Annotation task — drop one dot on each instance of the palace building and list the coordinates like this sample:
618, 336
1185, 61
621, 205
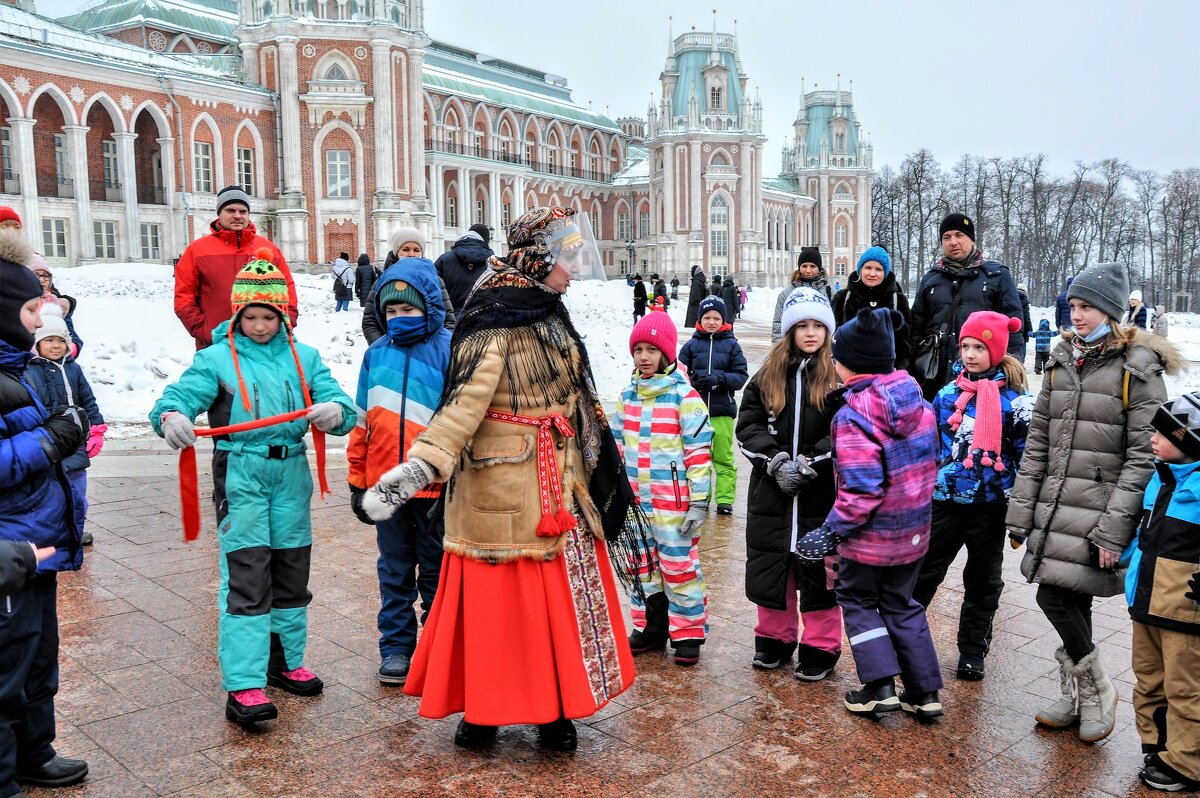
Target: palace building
344, 120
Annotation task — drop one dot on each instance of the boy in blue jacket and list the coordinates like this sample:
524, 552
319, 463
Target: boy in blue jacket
1043, 342
717, 369
59, 381
1162, 586
255, 370
35, 507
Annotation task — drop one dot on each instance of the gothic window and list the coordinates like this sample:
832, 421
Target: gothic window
202, 177
245, 169
714, 99
337, 173
841, 235
644, 224
718, 231
451, 211
719, 160
335, 72
623, 231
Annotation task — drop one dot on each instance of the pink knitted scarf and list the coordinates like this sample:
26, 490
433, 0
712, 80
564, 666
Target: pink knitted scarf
989, 418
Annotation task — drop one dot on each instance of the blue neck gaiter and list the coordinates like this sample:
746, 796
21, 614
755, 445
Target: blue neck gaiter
406, 329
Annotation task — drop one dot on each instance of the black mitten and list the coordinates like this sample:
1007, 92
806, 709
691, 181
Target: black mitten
68, 428
356, 500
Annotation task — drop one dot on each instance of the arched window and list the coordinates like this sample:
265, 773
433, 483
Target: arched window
719, 160
841, 234
714, 99
718, 235
335, 72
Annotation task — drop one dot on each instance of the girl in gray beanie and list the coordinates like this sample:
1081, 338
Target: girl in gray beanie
1078, 496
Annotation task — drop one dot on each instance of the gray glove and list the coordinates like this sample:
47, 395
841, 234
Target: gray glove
697, 514
325, 416
396, 487
792, 474
178, 430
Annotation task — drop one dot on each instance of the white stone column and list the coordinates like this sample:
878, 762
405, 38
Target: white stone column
78, 154
131, 248
823, 206
175, 236
494, 201
695, 201
436, 206
289, 103
26, 169
382, 93
669, 188
416, 139
862, 207
518, 208
250, 61
466, 200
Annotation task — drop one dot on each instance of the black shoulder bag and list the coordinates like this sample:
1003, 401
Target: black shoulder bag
927, 362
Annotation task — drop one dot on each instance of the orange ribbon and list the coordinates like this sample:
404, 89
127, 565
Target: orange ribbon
189, 491
552, 524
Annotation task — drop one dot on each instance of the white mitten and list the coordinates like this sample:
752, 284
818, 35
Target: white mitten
325, 416
396, 487
178, 430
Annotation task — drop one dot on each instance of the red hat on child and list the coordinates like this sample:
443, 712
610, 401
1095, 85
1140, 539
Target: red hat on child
658, 330
8, 214
992, 330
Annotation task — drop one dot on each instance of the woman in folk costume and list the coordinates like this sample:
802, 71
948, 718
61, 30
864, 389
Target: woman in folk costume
526, 626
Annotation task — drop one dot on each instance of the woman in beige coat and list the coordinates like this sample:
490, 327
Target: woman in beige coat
527, 624
1078, 496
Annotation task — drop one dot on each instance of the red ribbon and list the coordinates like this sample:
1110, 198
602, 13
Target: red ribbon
189, 491
552, 524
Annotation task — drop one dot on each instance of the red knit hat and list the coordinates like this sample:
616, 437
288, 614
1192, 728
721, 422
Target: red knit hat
991, 329
7, 213
658, 330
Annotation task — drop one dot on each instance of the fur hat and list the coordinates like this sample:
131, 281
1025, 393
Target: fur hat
18, 285
960, 222
712, 303
404, 234
866, 344
1104, 286
53, 325
260, 282
809, 255
806, 303
230, 195
877, 254
991, 329
658, 330
1179, 422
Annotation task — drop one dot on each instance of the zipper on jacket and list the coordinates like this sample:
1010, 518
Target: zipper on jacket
291, 400
1103, 485
403, 406
675, 484
710, 348
256, 407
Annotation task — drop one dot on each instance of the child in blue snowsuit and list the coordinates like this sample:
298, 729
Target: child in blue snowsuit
1043, 342
35, 507
254, 370
59, 381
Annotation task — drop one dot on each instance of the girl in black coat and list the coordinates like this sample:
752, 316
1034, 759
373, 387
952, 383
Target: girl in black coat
783, 428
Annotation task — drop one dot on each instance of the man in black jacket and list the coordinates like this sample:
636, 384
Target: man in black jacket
462, 266
985, 284
731, 295
364, 279
639, 298
697, 290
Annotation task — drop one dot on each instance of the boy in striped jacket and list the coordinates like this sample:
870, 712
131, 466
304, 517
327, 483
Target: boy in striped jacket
885, 446
661, 425
398, 389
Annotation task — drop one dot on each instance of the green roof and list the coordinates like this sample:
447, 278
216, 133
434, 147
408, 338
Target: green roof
787, 185
212, 19
464, 85
819, 117
691, 65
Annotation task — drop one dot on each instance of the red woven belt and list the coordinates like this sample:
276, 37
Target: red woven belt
549, 480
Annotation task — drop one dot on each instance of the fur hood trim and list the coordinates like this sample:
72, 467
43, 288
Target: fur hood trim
15, 247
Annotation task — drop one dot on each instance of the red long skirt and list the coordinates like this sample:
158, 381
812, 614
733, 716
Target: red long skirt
527, 641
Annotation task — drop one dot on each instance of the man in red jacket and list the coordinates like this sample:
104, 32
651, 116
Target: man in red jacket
204, 275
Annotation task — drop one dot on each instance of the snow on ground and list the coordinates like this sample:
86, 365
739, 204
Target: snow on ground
134, 345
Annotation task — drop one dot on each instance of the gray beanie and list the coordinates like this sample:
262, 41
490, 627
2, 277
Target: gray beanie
1104, 286
230, 195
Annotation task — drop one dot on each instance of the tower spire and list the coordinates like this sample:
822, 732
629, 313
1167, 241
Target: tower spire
670, 38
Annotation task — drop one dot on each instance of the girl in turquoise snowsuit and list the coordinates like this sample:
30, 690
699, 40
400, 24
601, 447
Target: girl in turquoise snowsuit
254, 370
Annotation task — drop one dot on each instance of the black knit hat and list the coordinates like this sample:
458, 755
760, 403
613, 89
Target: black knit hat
1104, 286
1179, 422
18, 285
960, 222
866, 343
809, 255
483, 231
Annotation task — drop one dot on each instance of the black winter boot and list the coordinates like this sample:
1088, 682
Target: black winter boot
814, 664
654, 636
770, 653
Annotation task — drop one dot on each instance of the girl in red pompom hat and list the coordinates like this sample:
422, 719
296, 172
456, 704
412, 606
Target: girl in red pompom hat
983, 417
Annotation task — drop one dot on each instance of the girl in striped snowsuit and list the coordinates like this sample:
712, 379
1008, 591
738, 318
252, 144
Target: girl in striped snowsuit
662, 427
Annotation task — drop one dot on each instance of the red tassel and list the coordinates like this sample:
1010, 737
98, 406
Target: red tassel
999, 465
566, 521
987, 461
969, 461
319, 446
189, 494
548, 527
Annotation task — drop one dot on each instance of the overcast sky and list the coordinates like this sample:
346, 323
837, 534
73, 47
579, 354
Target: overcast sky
1075, 79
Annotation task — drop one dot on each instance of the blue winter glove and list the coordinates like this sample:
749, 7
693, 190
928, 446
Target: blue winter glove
703, 382
818, 544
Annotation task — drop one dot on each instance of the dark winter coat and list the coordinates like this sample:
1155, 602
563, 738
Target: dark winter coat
1139, 318
1087, 461
774, 520
462, 266
343, 280
857, 295
990, 287
373, 330
364, 281
696, 293
1026, 319
714, 288
731, 295
17, 564
1062, 312
34, 501
660, 292
817, 284
1168, 550
59, 384
716, 368
639, 297
1043, 337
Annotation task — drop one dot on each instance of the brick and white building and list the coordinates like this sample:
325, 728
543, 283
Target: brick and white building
344, 120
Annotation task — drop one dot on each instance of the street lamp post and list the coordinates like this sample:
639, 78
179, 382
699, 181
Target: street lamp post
631, 248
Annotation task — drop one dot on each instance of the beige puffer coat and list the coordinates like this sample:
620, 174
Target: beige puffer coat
1087, 461
493, 500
